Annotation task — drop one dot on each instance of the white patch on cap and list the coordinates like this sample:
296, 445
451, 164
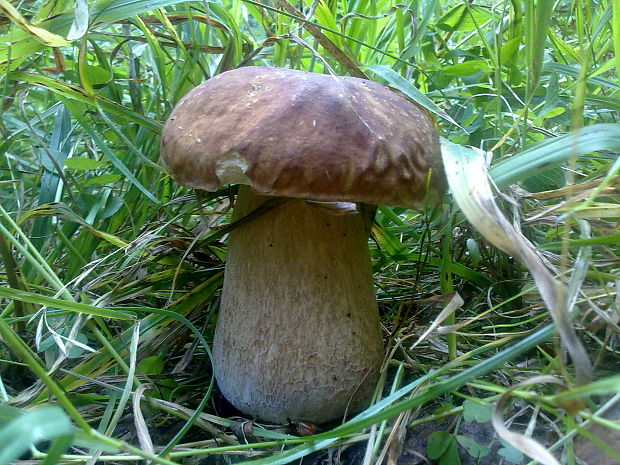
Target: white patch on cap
231, 168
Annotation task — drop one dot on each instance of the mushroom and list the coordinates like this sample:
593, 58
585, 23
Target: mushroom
298, 334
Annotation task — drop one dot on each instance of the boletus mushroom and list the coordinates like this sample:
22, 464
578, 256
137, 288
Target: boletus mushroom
298, 332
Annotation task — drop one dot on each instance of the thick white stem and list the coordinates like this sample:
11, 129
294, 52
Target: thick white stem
298, 333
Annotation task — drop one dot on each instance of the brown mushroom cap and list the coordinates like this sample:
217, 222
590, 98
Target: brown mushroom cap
296, 134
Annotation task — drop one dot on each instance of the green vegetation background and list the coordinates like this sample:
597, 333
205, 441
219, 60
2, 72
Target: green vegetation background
110, 272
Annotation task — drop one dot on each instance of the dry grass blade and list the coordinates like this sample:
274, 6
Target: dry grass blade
394, 444
474, 196
142, 429
521, 442
455, 303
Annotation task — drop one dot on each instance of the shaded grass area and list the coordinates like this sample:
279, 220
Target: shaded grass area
111, 273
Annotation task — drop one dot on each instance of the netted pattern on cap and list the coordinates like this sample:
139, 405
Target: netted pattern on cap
305, 135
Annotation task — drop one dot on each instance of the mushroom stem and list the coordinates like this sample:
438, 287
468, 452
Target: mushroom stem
298, 333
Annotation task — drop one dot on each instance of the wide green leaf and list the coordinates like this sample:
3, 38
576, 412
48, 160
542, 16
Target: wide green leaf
19, 430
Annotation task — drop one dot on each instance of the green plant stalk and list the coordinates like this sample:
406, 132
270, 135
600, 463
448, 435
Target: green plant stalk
536, 24
435, 417
141, 455
12, 278
382, 428
217, 450
32, 254
75, 458
568, 219
36, 365
537, 16
55, 450
374, 439
115, 355
68, 91
146, 161
574, 429
580, 96
3, 394
603, 386
74, 251
108, 412
130, 449
5, 78
497, 80
527, 321
483, 39
138, 454
616, 33
599, 137
188, 424
607, 423
520, 393
103, 358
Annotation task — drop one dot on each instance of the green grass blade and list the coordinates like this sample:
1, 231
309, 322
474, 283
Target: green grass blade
616, 32
117, 162
76, 93
78, 307
537, 15
53, 157
397, 81
556, 150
